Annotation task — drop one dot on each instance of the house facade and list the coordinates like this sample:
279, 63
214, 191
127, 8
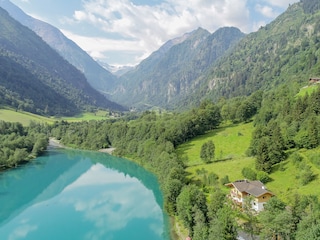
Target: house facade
242, 189
314, 80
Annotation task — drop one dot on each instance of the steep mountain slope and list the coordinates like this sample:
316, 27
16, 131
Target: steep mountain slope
286, 51
36, 78
97, 76
171, 72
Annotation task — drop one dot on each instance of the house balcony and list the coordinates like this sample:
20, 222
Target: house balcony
237, 198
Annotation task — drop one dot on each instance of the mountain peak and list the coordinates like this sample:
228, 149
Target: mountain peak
37, 79
171, 73
97, 76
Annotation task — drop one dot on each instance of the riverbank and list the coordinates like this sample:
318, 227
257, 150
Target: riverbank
107, 150
178, 232
55, 143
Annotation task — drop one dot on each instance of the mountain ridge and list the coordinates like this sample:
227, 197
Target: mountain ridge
283, 52
171, 71
29, 64
98, 77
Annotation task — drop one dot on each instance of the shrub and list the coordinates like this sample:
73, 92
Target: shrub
248, 173
263, 177
296, 158
224, 180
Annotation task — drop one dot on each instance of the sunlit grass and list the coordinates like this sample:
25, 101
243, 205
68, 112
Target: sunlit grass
23, 117
286, 181
99, 115
231, 168
231, 143
10, 115
307, 90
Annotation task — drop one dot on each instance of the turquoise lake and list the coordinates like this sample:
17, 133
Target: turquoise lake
69, 194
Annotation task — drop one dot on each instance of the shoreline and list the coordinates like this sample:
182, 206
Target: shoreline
57, 144
107, 150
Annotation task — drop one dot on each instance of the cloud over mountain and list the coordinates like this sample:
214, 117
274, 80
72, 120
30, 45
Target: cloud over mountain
127, 31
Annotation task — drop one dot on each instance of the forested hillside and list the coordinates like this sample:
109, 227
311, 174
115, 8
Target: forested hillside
171, 73
35, 78
97, 76
286, 51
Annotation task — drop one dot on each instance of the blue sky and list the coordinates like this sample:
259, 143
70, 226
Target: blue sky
124, 32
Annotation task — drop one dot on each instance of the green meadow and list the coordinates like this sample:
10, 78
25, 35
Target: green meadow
10, 115
99, 115
286, 177
24, 118
307, 90
231, 143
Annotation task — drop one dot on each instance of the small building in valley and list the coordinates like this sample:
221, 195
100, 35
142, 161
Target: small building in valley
314, 80
243, 189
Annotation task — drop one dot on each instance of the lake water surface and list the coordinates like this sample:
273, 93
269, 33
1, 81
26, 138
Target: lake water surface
69, 194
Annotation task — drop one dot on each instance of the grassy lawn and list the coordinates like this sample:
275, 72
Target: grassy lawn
231, 142
286, 180
307, 90
231, 168
99, 115
25, 118
22, 117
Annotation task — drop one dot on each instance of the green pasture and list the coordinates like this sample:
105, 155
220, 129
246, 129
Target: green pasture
307, 90
285, 178
99, 115
231, 143
231, 168
25, 118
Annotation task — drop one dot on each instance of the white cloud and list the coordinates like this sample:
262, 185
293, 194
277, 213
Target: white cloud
146, 28
115, 205
21, 231
103, 198
98, 47
266, 11
281, 3
259, 24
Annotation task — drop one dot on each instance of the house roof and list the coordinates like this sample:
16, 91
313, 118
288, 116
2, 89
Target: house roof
254, 188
